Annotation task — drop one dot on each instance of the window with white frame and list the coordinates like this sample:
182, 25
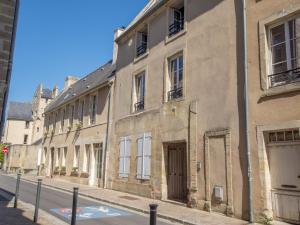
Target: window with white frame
124, 160
81, 112
87, 158
76, 156
142, 41
176, 20
63, 156
284, 44
144, 156
175, 77
93, 109
139, 92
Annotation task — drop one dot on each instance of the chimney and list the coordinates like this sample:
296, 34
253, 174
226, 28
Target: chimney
55, 91
70, 80
117, 34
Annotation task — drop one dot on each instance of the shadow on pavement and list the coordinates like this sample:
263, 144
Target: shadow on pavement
9, 215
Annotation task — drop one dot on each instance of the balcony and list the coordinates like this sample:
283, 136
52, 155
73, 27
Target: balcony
175, 93
141, 50
139, 106
283, 78
176, 27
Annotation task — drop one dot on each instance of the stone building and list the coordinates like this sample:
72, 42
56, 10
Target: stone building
274, 106
24, 131
8, 25
177, 131
76, 128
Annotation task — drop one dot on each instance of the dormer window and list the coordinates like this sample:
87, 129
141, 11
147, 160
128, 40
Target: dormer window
142, 42
176, 23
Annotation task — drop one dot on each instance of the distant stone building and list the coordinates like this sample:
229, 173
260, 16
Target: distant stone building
24, 131
8, 24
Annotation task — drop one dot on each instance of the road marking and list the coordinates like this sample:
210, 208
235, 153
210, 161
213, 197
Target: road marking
91, 212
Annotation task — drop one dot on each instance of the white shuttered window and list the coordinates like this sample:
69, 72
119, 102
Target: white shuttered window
124, 164
144, 156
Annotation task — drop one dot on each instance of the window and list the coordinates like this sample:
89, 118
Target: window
93, 110
124, 164
54, 122
87, 158
27, 123
25, 142
175, 77
144, 157
285, 53
37, 129
57, 157
62, 122
64, 156
142, 42
44, 155
284, 136
81, 112
76, 156
71, 118
98, 148
176, 23
139, 92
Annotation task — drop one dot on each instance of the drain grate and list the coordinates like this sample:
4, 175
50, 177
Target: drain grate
128, 198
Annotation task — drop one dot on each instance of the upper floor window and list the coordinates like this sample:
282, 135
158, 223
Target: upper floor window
27, 123
285, 53
93, 109
54, 122
175, 77
176, 21
71, 118
81, 111
142, 42
25, 139
62, 122
139, 92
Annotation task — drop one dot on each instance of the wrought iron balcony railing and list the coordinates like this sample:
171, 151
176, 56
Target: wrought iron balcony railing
141, 50
283, 78
175, 93
176, 27
139, 106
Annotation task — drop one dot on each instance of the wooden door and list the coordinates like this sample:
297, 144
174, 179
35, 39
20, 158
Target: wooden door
177, 173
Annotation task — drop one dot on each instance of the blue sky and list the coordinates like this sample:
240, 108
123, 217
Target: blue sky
57, 38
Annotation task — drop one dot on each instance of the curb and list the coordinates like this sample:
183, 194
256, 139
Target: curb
162, 216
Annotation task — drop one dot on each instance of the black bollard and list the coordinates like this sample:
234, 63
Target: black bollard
153, 210
74, 207
37, 201
17, 190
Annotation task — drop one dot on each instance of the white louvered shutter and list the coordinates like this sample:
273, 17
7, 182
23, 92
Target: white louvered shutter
147, 156
140, 141
127, 156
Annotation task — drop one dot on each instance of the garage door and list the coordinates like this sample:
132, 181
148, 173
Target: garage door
284, 161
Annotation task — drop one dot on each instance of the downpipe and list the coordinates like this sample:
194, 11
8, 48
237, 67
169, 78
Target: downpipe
246, 100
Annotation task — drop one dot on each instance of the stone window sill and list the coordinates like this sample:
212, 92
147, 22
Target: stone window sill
141, 57
284, 89
176, 36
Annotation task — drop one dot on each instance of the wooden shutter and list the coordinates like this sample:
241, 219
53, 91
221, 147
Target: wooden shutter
144, 156
121, 159
124, 160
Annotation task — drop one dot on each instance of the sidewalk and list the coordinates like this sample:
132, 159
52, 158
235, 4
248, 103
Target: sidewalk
23, 215
176, 213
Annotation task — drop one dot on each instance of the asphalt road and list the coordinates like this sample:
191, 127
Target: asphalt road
54, 202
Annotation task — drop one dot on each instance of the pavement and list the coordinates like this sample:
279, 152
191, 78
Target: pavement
176, 213
57, 203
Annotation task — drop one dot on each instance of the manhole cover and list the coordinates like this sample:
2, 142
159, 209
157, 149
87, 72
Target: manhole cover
129, 198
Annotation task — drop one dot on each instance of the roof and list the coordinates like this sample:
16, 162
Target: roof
146, 11
84, 85
46, 93
19, 111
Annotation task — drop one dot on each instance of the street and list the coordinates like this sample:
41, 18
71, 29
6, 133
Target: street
89, 212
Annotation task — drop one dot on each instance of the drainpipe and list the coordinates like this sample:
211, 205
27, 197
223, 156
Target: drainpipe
246, 99
106, 138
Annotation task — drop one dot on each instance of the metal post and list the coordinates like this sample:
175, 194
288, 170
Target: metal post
74, 207
17, 190
153, 210
37, 201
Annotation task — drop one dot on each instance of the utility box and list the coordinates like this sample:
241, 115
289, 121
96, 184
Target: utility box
219, 193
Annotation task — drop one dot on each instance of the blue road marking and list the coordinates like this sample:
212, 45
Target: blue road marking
91, 212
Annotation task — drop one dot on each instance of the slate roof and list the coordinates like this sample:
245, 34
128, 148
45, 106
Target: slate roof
146, 11
46, 93
19, 111
87, 83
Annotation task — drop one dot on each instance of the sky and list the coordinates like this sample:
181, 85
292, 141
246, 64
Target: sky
59, 38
